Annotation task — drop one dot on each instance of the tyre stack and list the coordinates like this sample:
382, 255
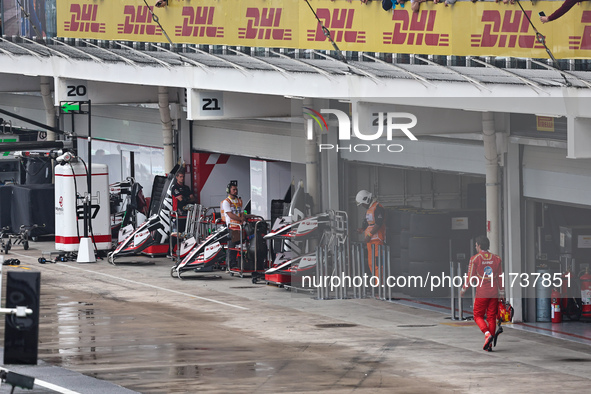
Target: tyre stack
397, 235
5, 206
278, 210
428, 250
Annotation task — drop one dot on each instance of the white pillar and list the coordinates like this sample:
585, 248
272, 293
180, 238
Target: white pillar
513, 257
492, 180
166, 128
46, 83
312, 163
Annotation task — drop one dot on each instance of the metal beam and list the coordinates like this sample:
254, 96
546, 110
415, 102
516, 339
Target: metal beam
31, 121
184, 58
141, 53
62, 55
96, 59
526, 81
350, 66
396, 67
23, 48
30, 145
276, 68
565, 73
317, 69
126, 60
236, 66
473, 81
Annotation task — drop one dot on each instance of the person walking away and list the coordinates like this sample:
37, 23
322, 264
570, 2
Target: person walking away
488, 268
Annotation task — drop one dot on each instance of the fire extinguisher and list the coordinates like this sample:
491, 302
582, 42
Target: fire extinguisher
556, 312
585, 280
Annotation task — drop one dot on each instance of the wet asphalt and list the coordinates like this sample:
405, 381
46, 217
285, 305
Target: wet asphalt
133, 328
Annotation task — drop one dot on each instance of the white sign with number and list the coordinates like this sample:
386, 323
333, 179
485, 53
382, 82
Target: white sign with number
71, 90
206, 103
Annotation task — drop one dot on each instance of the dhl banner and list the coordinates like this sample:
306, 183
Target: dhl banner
483, 28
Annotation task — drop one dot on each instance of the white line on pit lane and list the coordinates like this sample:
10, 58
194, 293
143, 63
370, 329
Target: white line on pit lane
143, 284
47, 385
54, 387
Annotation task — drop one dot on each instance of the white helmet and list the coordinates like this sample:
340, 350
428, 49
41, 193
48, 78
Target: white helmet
363, 197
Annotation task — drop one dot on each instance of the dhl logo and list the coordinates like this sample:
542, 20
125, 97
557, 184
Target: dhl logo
415, 30
584, 41
138, 20
340, 23
263, 25
84, 19
198, 22
510, 28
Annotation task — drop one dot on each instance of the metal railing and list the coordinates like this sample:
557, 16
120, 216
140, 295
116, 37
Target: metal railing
380, 260
333, 258
194, 212
243, 248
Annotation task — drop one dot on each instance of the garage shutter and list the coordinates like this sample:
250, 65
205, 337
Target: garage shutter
549, 175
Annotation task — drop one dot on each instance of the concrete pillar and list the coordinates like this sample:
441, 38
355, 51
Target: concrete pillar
492, 180
166, 128
45, 85
311, 185
513, 256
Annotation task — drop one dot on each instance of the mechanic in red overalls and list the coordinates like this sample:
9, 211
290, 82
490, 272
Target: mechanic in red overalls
487, 267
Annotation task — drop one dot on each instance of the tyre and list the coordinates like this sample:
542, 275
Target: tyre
393, 221
394, 243
404, 239
405, 219
404, 256
26, 245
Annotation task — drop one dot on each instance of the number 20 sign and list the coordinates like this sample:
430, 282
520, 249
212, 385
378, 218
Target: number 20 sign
72, 90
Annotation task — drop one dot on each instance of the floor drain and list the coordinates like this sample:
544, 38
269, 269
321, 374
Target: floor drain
575, 360
336, 325
245, 287
417, 325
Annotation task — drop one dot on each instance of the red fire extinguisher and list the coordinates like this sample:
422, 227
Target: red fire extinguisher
585, 280
556, 312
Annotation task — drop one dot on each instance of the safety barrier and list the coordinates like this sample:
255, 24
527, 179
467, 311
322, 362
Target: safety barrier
192, 229
332, 261
333, 258
380, 260
208, 222
458, 296
242, 249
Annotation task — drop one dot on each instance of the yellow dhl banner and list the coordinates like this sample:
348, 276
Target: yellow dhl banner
464, 29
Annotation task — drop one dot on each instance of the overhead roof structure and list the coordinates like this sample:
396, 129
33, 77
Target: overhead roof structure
286, 74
